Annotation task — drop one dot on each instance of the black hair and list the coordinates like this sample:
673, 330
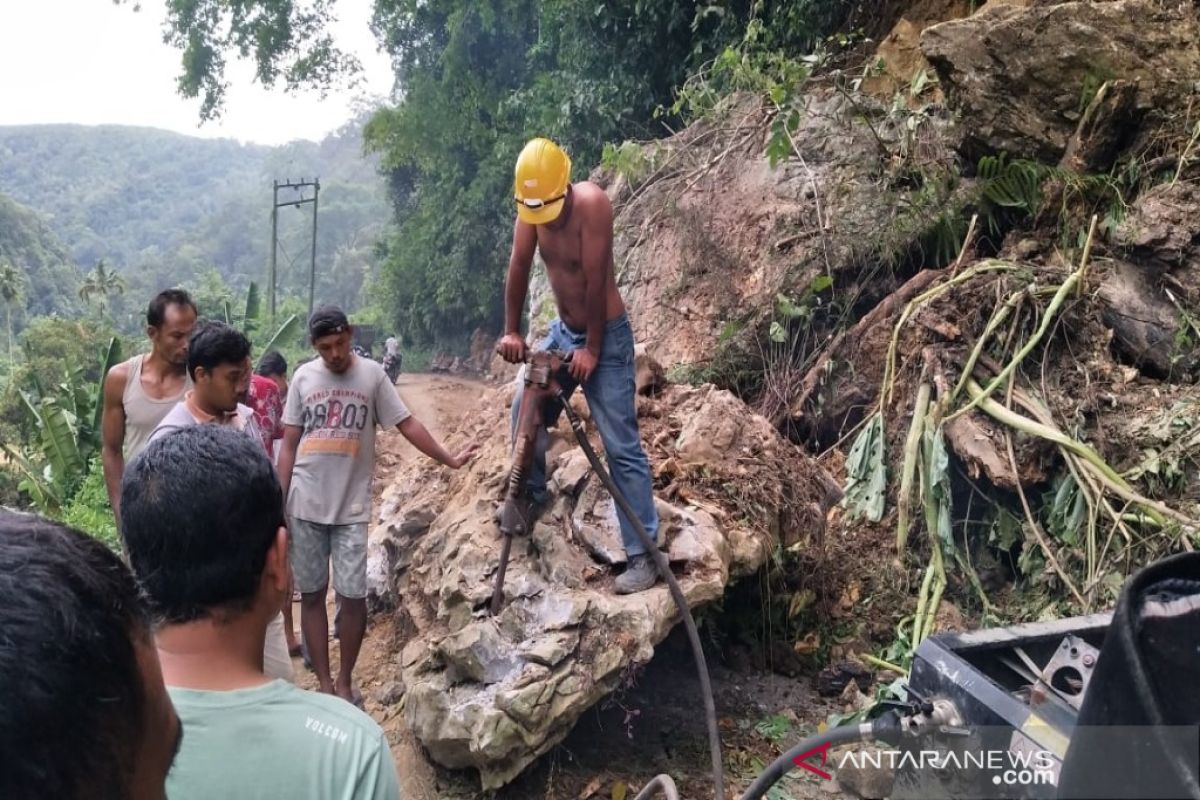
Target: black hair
272, 363
327, 320
72, 701
215, 343
200, 508
156, 314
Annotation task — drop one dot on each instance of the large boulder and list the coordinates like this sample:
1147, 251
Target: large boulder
1021, 78
494, 693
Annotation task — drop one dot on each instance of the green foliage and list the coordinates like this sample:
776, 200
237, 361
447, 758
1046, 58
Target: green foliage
66, 419
89, 510
495, 74
216, 300
789, 312
12, 288
896, 690
99, 285
1009, 188
1095, 78
53, 348
36, 266
1065, 510
627, 159
743, 67
935, 487
289, 43
774, 728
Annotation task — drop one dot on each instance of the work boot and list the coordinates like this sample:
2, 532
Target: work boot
639, 576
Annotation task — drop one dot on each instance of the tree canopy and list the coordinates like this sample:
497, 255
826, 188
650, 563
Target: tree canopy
46, 278
475, 80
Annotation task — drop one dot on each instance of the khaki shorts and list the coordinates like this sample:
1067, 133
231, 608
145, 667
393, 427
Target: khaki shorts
313, 545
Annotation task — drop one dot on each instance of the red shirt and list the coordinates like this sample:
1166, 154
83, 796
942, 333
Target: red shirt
267, 402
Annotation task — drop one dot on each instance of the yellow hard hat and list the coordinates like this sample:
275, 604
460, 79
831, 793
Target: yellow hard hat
542, 176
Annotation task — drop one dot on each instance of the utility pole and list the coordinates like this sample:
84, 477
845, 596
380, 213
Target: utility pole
312, 269
274, 242
276, 204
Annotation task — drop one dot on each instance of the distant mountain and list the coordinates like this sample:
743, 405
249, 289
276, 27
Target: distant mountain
51, 282
164, 208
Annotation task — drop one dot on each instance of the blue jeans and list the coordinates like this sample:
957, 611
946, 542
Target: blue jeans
610, 395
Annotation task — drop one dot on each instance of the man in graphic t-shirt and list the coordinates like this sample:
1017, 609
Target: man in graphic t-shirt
326, 465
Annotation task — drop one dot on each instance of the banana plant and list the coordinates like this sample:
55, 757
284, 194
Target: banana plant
251, 319
67, 421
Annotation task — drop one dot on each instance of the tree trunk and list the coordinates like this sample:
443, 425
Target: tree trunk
12, 362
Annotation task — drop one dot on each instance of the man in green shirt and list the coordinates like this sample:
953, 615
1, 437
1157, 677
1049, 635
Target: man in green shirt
202, 516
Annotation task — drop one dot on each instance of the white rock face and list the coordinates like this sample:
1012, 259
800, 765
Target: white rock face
495, 693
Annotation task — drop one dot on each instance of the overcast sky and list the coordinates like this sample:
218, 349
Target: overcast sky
93, 62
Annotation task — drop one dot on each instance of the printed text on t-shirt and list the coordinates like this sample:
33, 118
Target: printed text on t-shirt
333, 421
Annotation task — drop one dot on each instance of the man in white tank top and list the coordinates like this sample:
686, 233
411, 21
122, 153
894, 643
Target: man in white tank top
139, 392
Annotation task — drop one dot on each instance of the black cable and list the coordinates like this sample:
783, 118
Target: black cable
832, 737
664, 569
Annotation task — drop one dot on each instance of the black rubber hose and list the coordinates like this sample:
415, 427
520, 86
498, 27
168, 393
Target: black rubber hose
664, 569
832, 737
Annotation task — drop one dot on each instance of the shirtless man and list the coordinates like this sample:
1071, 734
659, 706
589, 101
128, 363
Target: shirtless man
139, 392
571, 225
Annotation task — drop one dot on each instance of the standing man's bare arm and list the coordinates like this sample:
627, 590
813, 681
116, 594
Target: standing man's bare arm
420, 437
287, 457
595, 253
112, 435
516, 287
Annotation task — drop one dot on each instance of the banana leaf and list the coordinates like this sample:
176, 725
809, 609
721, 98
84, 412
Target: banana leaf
936, 493
252, 310
58, 442
34, 484
290, 327
111, 355
866, 468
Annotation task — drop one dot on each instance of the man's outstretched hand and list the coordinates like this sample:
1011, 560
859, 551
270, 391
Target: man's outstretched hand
461, 459
512, 348
582, 364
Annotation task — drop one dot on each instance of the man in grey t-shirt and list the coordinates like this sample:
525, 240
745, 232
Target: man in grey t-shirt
219, 369
326, 466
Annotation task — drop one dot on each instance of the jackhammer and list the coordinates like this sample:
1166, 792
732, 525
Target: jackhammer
541, 387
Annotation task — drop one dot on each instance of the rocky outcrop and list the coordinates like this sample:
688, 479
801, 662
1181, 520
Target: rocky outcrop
1021, 78
493, 693
1147, 294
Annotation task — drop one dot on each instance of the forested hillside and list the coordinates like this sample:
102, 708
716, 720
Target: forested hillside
48, 280
165, 209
